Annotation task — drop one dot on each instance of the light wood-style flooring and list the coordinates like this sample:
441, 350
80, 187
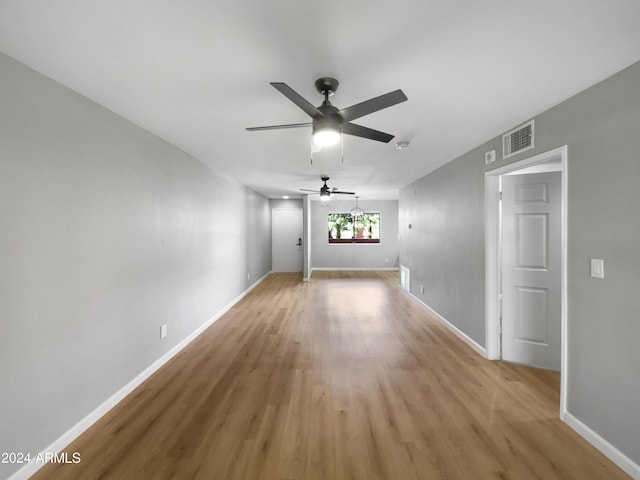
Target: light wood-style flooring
342, 377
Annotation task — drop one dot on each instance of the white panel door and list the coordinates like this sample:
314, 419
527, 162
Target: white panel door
531, 278
286, 227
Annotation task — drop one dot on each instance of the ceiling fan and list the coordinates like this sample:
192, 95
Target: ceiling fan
328, 122
326, 192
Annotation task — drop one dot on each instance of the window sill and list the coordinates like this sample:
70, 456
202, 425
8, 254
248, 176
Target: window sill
354, 240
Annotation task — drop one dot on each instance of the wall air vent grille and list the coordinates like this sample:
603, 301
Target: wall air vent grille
517, 140
405, 278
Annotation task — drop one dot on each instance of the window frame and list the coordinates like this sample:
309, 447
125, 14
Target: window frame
353, 240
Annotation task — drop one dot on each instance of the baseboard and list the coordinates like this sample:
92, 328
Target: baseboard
356, 269
349, 269
74, 432
463, 336
611, 452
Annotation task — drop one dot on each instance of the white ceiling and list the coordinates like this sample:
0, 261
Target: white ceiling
197, 72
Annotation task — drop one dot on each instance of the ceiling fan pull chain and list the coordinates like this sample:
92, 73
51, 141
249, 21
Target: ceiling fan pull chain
342, 147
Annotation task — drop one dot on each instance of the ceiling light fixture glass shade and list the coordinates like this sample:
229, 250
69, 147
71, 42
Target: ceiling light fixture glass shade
357, 211
325, 133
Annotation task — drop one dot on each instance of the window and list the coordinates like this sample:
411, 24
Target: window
345, 228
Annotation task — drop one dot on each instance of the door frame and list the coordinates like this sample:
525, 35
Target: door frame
493, 241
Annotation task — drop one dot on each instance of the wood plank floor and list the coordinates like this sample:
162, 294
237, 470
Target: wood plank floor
342, 377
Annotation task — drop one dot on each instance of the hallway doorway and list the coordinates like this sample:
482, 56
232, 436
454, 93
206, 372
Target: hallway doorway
525, 248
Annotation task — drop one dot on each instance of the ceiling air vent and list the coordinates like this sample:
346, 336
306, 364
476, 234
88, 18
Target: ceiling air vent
517, 140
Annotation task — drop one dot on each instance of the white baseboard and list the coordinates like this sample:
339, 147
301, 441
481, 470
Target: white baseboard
611, 452
345, 269
463, 336
74, 432
354, 269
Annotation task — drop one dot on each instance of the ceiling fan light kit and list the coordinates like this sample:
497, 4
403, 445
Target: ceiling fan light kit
325, 133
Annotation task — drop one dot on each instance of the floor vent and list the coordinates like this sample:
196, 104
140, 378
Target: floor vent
517, 140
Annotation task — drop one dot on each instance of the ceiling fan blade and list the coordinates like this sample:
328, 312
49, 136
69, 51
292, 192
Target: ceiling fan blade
364, 132
342, 193
296, 98
277, 127
372, 105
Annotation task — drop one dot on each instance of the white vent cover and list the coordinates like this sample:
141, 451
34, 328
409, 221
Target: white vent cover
517, 140
405, 278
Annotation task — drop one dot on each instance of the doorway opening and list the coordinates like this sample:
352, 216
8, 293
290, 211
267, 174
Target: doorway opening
553, 160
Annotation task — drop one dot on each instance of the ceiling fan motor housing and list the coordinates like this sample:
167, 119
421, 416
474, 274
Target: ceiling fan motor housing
326, 85
325, 191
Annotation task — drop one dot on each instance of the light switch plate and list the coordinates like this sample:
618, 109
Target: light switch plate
489, 157
597, 268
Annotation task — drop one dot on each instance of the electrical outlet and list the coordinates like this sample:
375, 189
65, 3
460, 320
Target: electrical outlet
249, 276
422, 289
163, 330
386, 260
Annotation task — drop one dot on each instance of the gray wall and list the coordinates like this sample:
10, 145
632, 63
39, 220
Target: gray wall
106, 232
326, 255
445, 248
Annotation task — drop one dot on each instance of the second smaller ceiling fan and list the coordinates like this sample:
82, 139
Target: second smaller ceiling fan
326, 192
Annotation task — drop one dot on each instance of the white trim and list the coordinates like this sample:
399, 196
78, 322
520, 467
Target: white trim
306, 236
356, 269
564, 262
611, 452
463, 336
79, 428
492, 265
492, 259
